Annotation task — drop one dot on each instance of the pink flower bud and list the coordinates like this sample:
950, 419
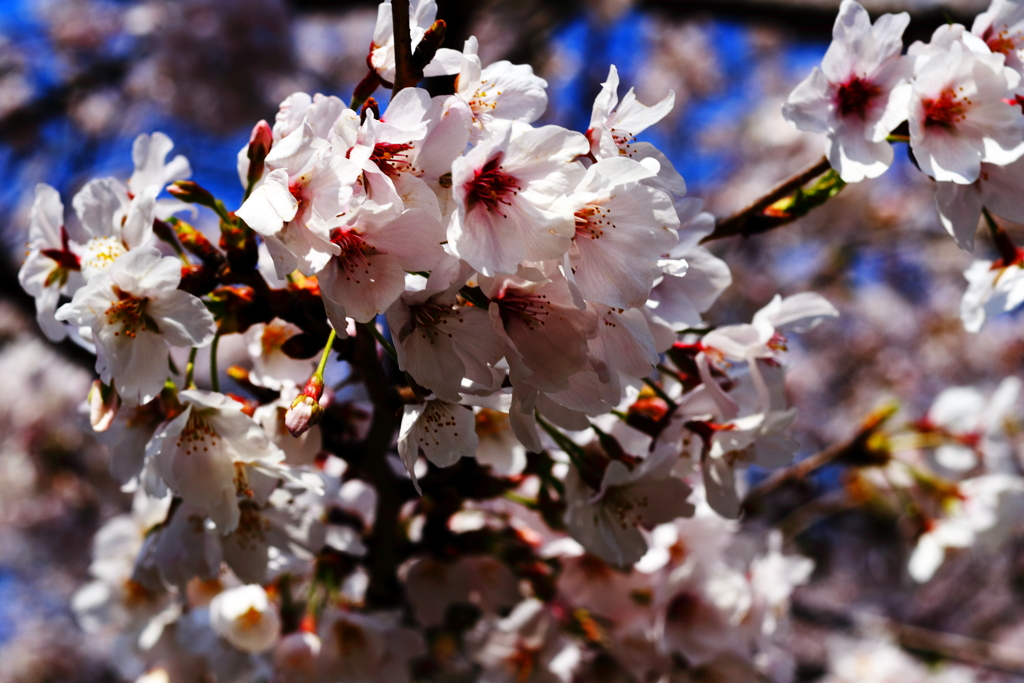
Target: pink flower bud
260, 141
303, 414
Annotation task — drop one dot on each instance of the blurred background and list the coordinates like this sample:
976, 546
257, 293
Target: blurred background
79, 79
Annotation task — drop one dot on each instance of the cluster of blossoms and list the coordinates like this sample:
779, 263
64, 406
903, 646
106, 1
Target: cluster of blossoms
957, 102
523, 454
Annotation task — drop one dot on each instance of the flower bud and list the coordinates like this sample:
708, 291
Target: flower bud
245, 617
192, 192
260, 141
304, 412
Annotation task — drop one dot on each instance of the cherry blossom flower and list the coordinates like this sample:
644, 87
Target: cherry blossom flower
1001, 26
510, 198
272, 367
606, 522
52, 266
622, 227
245, 617
197, 451
974, 426
992, 288
544, 333
500, 92
765, 335
679, 299
113, 222
958, 116
298, 201
478, 579
134, 311
860, 93
444, 432
439, 342
615, 124
998, 189
153, 172
984, 510
373, 254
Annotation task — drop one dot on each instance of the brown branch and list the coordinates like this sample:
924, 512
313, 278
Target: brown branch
405, 75
947, 645
384, 555
961, 648
856, 450
752, 220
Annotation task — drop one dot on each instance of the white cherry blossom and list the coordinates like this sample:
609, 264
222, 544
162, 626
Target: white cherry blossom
1001, 26
984, 511
201, 454
374, 252
444, 432
510, 198
860, 93
607, 521
1000, 189
500, 92
544, 333
958, 116
134, 311
52, 266
993, 287
439, 342
614, 125
298, 201
246, 618
622, 227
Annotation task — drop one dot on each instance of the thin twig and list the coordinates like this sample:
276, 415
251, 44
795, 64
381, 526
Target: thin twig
856, 445
737, 223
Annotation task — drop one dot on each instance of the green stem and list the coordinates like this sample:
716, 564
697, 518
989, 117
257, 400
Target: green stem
214, 379
382, 340
190, 368
222, 212
327, 352
571, 448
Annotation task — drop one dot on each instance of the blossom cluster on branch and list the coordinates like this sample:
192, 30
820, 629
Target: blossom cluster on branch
485, 432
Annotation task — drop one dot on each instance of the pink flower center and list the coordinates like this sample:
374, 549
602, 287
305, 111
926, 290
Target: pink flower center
491, 187
945, 111
127, 312
391, 157
1002, 42
427, 319
527, 308
855, 97
591, 222
355, 253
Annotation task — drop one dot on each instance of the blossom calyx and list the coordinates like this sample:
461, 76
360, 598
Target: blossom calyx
305, 410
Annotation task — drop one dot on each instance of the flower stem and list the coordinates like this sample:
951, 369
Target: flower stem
214, 379
190, 368
571, 448
327, 352
382, 340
